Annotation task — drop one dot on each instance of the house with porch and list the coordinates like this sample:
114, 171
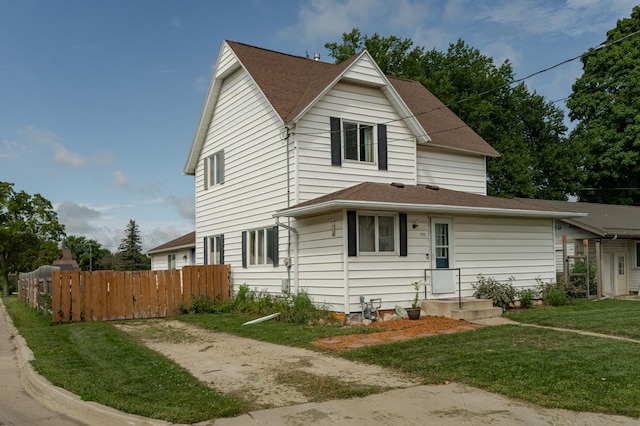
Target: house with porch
612, 236
342, 182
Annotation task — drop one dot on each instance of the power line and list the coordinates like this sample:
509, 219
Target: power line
520, 80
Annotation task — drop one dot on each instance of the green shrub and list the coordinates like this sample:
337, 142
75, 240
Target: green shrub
555, 296
526, 297
579, 282
502, 294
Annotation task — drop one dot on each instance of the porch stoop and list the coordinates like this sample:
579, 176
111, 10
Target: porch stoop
472, 308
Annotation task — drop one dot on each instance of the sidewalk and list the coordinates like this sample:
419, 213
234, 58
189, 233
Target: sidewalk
447, 405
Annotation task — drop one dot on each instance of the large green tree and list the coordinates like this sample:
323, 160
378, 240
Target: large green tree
29, 232
536, 160
89, 254
605, 102
129, 256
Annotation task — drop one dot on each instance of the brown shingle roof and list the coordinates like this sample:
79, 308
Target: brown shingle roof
184, 241
291, 83
603, 219
426, 197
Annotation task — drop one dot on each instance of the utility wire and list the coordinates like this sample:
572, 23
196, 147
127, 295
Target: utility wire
566, 61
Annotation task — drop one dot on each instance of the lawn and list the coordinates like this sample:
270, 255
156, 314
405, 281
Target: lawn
99, 363
547, 367
612, 317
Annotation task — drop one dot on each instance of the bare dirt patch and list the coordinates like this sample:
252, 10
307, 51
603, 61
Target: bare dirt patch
254, 369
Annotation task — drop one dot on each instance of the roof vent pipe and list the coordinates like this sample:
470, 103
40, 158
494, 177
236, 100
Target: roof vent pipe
316, 56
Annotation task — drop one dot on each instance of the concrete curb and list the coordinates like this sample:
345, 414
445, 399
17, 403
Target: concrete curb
63, 401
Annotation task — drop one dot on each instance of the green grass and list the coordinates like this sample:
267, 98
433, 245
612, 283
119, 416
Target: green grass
612, 317
546, 367
100, 363
325, 388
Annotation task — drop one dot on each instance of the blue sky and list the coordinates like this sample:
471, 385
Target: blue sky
99, 99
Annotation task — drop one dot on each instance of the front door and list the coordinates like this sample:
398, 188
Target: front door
622, 282
442, 276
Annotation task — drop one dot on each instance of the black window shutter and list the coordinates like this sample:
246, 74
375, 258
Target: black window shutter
352, 244
206, 251
382, 147
221, 248
244, 249
276, 246
336, 136
221, 166
403, 234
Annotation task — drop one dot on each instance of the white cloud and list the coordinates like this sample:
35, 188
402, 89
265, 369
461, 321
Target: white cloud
185, 206
76, 217
120, 180
61, 154
320, 21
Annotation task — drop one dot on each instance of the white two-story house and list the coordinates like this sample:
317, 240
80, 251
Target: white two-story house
342, 182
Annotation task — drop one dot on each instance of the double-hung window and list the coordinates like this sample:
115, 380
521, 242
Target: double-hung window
171, 261
216, 250
358, 141
214, 169
260, 247
376, 233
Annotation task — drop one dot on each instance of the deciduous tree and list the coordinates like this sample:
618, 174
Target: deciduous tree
29, 232
605, 102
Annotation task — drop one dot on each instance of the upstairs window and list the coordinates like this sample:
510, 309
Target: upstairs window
214, 170
354, 141
358, 142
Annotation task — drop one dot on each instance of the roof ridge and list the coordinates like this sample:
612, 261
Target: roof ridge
277, 52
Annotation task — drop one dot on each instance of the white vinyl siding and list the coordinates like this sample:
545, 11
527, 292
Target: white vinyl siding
364, 71
351, 103
160, 261
451, 170
504, 247
245, 126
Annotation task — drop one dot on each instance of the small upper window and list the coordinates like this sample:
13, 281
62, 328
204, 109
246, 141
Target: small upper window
358, 142
214, 169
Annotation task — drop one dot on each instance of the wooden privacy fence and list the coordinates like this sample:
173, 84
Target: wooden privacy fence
111, 295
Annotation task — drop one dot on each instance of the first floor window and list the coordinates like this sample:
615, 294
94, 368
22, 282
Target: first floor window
171, 261
376, 233
216, 250
260, 247
637, 254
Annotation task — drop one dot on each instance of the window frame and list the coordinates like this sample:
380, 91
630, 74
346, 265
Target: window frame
171, 261
377, 234
215, 249
637, 262
360, 128
262, 241
214, 169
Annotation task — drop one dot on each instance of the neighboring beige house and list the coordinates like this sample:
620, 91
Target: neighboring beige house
616, 228
175, 254
343, 182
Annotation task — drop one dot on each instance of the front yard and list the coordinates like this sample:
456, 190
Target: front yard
549, 368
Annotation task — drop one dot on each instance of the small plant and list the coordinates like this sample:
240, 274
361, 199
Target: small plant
526, 297
502, 294
556, 294
417, 285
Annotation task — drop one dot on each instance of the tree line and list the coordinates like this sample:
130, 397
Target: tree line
598, 161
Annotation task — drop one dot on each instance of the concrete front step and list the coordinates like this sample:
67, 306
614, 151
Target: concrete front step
470, 309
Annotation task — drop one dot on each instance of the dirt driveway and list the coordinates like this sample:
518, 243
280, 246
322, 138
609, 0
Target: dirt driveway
251, 368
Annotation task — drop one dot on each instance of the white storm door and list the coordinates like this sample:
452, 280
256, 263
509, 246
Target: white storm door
442, 276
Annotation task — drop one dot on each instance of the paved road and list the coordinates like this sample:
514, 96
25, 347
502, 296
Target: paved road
17, 407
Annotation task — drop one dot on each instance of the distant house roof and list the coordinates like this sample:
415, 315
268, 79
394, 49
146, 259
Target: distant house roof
66, 262
183, 242
605, 220
421, 198
292, 83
